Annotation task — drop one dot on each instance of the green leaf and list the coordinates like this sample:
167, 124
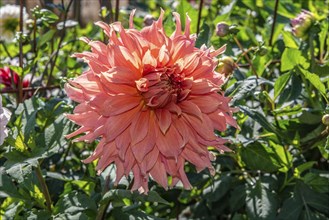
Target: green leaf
291, 209
315, 81
219, 189
7, 187
258, 157
237, 198
317, 182
260, 202
46, 38
48, 16
288, 110
120, 194
258, 117
303, 167
283, 156
76, 203
289, 40
319, 201
204, 36
292, 57
281, 83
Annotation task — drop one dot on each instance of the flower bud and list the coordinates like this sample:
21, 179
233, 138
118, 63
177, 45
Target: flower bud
325, 119
148, 20
226, 66
262, 51
222, 29
302, 23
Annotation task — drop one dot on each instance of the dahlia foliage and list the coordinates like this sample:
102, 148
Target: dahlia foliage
153, 100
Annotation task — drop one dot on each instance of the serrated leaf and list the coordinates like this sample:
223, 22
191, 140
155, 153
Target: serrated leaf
319, 201
315, 81
281, 83
258, 157
292, 57
204, 36
120, 194
260, 202
74, 203
237, 198
258, 117
316, 182
289, 40
291, 209
283, 156
220, 188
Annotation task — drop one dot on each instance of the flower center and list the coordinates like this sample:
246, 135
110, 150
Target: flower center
162, 86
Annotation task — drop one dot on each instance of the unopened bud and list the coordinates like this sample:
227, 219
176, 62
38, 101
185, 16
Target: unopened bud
325, 119
226, 66
148, 20
222, 29
262, 51
302, 23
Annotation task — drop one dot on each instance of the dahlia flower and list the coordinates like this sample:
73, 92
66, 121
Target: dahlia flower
153, 101
9, 21
4, 118
302, 23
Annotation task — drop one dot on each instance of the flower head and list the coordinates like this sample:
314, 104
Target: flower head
9, 21
148, 20
302, 23
10, 78
152, 100
226, 66
4, 118
222, 29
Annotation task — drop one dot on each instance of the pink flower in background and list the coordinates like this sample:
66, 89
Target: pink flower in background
302, 23
154, 102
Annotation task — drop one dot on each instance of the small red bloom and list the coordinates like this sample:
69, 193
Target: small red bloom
10, 79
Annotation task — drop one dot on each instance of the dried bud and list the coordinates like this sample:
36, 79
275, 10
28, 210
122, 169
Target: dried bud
148, 20
325, 119
302, 23
222, 29
226, 66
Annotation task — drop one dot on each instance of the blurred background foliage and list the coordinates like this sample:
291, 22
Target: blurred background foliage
279, 165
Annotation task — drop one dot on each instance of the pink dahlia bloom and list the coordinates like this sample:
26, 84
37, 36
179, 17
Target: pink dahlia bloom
154, 102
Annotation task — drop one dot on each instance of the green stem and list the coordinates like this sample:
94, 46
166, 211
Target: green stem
312, 52
44, 187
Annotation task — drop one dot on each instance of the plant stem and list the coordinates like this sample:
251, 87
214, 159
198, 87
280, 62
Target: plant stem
116, 10
20, 79
199, 17
52, 64
245, 55
44, 187
29, 89
311, 38
274, 20
6, 49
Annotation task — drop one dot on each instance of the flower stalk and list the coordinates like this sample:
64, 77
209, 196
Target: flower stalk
44, 187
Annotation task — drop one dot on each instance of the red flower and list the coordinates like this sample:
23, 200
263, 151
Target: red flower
10, 79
